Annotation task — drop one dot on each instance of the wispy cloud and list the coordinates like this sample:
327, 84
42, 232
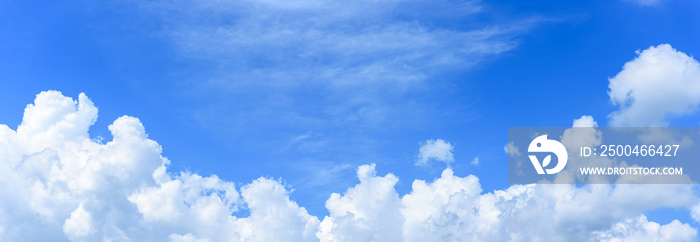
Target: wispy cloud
345, 63
646, 3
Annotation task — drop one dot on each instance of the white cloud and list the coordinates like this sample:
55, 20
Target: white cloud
439, 210
511, 149
79, 225
661, 83
453, 208
640, 229
585, 121
350, 61
366, 212
185, 238
646, 2
582, 133
273, 216
342, 43
60, 184
475, 161
437, 150
695, 212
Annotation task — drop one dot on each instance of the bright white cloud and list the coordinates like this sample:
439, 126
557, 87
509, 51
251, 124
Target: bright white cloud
79, 224
435, 150
366, 212
438, 210
659, 84
585, 121
273, 216
58, 183
61, 184
640, 229
453, 208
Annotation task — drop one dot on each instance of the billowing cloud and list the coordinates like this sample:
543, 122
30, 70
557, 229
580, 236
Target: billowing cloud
453, 208
57, 183
366, 212
659, 84
640, 229
585, 121
435, 150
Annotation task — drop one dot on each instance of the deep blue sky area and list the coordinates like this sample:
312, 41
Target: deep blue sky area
242, 111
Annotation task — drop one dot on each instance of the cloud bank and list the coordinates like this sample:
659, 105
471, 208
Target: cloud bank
57, 183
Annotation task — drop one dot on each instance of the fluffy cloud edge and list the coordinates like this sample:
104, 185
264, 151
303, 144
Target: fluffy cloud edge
660, 83
435, 150
80, 189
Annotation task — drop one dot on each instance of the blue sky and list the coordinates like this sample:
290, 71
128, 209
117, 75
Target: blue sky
305, 92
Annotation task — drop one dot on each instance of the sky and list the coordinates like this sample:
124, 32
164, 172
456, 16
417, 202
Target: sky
331, 120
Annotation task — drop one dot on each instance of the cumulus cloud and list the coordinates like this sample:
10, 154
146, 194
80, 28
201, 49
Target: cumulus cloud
582, 133
640, 229
453, 208
435, 150
585, 121
58, 183
660, 83
366, 212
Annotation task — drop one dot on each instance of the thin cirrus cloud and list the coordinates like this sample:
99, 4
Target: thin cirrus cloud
324, 64
646, 3
286, 44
